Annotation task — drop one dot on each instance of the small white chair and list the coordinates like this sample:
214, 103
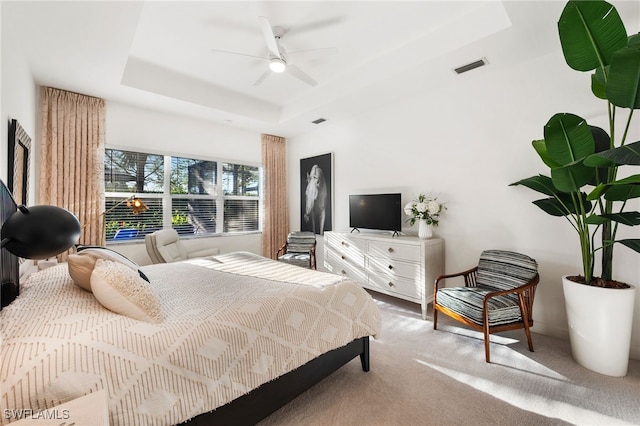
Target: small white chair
164, 246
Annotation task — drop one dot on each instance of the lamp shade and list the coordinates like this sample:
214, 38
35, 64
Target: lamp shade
40, 232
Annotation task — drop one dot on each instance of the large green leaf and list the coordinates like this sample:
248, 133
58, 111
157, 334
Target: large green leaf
598, 84
626, 218
631, 243
627, 154
538, 183
573, 177
590, 31
603, 143
594, 219
563, 204
620, 190
541, 149
623, 86
568, 138
551, 206
624, 189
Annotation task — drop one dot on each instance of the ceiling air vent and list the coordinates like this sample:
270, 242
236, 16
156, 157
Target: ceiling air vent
471, 66
319, 120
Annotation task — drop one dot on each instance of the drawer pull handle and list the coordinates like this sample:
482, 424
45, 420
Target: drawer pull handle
343, 272
390, 284
390, 267
343, 243
390, 249
342, 257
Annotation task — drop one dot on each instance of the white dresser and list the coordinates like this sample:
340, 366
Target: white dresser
403, 266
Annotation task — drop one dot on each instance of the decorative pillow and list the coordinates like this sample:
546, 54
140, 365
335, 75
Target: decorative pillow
121, 290
81, 265
107, 254
80, 269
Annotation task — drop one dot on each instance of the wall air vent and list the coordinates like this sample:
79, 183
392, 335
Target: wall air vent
319, 120
471, 66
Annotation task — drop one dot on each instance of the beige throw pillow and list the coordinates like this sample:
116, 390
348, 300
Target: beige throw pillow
80, 269
120, 289
81, 264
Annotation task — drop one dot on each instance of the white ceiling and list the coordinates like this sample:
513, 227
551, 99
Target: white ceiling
158, 54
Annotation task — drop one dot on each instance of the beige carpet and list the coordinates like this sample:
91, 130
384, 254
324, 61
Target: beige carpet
424, 377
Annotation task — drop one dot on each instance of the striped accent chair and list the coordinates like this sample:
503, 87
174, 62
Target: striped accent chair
497, 295
299, 250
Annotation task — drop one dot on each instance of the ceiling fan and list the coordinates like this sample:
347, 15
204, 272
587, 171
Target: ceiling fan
279, 59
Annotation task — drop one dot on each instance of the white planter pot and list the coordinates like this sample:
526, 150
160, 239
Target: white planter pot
600, 321
424, 230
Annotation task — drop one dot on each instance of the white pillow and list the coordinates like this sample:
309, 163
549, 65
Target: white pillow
120, 289
81, 264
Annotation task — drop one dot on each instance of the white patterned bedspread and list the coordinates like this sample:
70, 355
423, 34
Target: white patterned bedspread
224, 333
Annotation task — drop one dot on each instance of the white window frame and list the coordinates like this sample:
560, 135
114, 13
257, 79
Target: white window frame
219, 196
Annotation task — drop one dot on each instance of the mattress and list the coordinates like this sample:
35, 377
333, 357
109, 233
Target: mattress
231, 323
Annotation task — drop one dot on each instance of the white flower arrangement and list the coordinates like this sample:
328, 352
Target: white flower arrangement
424, 208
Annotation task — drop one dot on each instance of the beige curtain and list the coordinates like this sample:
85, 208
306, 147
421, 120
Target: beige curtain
276, 209
72, 158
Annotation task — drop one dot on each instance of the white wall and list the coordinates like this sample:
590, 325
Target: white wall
466, 143
18, 100
133, 128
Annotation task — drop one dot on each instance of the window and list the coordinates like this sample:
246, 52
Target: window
183, 193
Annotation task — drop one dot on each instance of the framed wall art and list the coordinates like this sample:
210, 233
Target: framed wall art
316, 193
18, 171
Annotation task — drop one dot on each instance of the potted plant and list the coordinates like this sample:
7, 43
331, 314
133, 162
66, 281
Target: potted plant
584, 187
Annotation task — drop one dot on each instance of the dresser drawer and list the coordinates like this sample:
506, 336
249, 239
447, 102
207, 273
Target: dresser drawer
394, 268
351, 249
404, 287
393, 250
336, 264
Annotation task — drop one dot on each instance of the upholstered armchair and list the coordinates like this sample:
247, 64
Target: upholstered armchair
300, 249
497, 295
164, 246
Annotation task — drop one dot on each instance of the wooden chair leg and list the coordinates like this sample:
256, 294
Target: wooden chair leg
487, 338
525, 320
435, 318
528, 333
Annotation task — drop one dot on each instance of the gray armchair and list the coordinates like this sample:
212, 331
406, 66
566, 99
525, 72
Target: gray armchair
497, 295
164, 246
300, 250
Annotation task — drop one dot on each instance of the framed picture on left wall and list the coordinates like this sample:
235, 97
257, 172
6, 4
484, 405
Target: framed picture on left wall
316, 193
18, 171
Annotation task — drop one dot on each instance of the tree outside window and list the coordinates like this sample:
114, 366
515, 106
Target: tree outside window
189, 198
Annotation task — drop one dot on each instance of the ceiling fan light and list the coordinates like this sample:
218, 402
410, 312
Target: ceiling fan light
277, 65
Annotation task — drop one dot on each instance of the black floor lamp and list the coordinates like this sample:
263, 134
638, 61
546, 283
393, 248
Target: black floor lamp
40, 232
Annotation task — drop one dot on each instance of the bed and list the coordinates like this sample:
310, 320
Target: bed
240, 336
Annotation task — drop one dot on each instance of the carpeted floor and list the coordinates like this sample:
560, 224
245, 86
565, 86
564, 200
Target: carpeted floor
424, 377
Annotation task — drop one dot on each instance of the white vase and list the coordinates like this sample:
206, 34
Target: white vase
424, 229
600, 321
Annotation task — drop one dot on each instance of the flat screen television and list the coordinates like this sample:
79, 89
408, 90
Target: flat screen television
376, 211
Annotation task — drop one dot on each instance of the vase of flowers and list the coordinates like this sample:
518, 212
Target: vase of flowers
426, 211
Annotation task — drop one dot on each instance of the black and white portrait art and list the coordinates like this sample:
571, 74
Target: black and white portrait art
315, 194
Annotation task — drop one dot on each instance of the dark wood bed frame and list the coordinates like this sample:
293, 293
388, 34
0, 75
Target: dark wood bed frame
248, 409
256, 405
10, 270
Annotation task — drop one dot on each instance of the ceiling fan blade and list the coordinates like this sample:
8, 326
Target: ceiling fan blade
269, 37
298, 73
262, 77
238, 53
